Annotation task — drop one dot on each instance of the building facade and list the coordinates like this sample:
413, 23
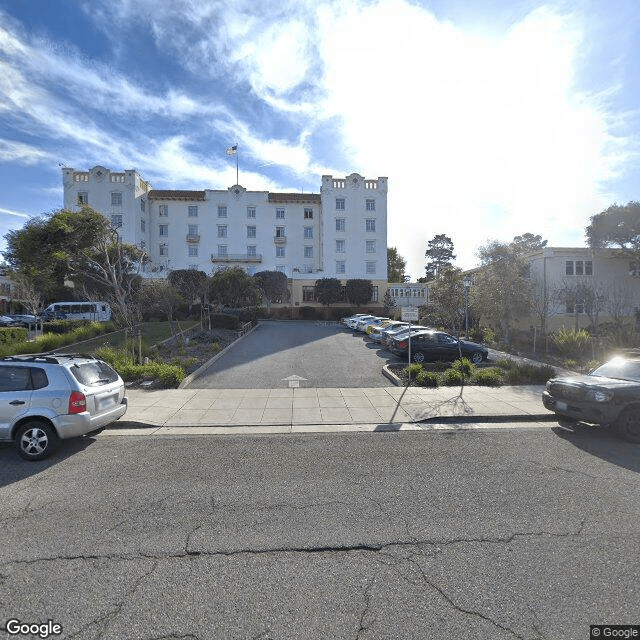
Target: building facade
575, 287
340, 232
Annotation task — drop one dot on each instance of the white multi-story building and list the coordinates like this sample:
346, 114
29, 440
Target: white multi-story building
340, 232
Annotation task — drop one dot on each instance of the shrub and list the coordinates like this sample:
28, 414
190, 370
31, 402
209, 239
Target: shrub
452, 377
491, 377
529, 374
412, 370
570, 364
464, 366
427, 378
225, 321
506, 364
307, 313
571, 342
13, 335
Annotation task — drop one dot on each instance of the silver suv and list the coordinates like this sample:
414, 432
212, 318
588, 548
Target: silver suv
47, 397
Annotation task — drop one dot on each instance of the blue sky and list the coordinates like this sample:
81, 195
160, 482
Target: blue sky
491, 118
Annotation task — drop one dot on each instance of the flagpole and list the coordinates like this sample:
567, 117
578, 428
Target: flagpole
237, 179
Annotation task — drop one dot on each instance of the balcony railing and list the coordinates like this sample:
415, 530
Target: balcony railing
192, 237
236, 257
280, 240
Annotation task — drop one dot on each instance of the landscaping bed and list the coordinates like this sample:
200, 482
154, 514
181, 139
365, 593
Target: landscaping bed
436, 374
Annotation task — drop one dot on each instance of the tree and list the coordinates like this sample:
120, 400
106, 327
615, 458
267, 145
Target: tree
233, 288
160, 296
502, 288
25, 292
80, 246
190, 283
583, 295
328, 290
528, 242
273, 285
395, 265
359, 291
617, 226
446, 301
439, 255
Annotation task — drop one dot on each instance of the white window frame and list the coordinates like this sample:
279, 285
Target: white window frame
370, 205
222, 211
308, 233
341, 266
280, 213
222, 231
116, 198
192, 211
251, 231
163, 230
251, 212
193, 250
370, 246
340, 246
370, 267
163, 210
340, 204
370, 225
341, 224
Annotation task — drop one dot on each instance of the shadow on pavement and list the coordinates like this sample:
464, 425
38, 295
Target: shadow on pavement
13, 468
600, 442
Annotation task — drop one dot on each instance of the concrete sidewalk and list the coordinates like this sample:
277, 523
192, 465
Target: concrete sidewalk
287, 410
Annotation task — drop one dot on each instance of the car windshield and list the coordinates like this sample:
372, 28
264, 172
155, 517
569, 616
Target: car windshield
619, 368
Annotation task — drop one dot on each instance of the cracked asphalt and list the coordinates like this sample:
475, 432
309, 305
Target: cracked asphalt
529, 534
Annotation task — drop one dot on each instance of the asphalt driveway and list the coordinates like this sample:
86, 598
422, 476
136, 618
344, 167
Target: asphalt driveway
309, 354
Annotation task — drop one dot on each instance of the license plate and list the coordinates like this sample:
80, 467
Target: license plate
561, 406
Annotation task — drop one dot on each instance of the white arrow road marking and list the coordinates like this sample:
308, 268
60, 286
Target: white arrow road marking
294, 381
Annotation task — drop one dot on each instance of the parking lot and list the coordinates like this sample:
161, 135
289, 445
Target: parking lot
308, 354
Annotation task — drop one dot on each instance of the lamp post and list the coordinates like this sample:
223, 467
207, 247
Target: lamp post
466, 281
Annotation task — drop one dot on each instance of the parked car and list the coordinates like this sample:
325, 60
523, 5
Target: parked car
377, 333
403, 332
353, 321
48, 397
372, 324
23, 319
6, 321
346, 320
362, 325
432, 346
608, 396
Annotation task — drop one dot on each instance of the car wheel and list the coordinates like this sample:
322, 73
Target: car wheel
36, 440
418, 356
477, 357
628, 424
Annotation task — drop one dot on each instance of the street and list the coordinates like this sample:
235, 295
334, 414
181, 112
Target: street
507, 533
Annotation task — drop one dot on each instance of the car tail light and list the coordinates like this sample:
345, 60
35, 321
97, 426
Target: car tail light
77, 402
403, 344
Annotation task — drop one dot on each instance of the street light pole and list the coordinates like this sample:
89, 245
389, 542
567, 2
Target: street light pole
466, 281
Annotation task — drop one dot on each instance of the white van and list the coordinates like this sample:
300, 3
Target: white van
99, 311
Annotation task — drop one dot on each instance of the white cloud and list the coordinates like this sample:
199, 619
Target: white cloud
480, 137
11, 151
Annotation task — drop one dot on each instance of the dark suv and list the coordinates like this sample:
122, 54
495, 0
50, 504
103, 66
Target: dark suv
608, 396
49, 397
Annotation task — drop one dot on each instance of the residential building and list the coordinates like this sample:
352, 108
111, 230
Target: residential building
408, 294
339, 232
576, 287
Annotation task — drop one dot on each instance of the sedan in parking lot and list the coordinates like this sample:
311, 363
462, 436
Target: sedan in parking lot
379, 333
432, 346
608, 396
403, 332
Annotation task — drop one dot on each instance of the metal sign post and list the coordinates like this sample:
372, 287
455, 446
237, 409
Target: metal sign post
409, 314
